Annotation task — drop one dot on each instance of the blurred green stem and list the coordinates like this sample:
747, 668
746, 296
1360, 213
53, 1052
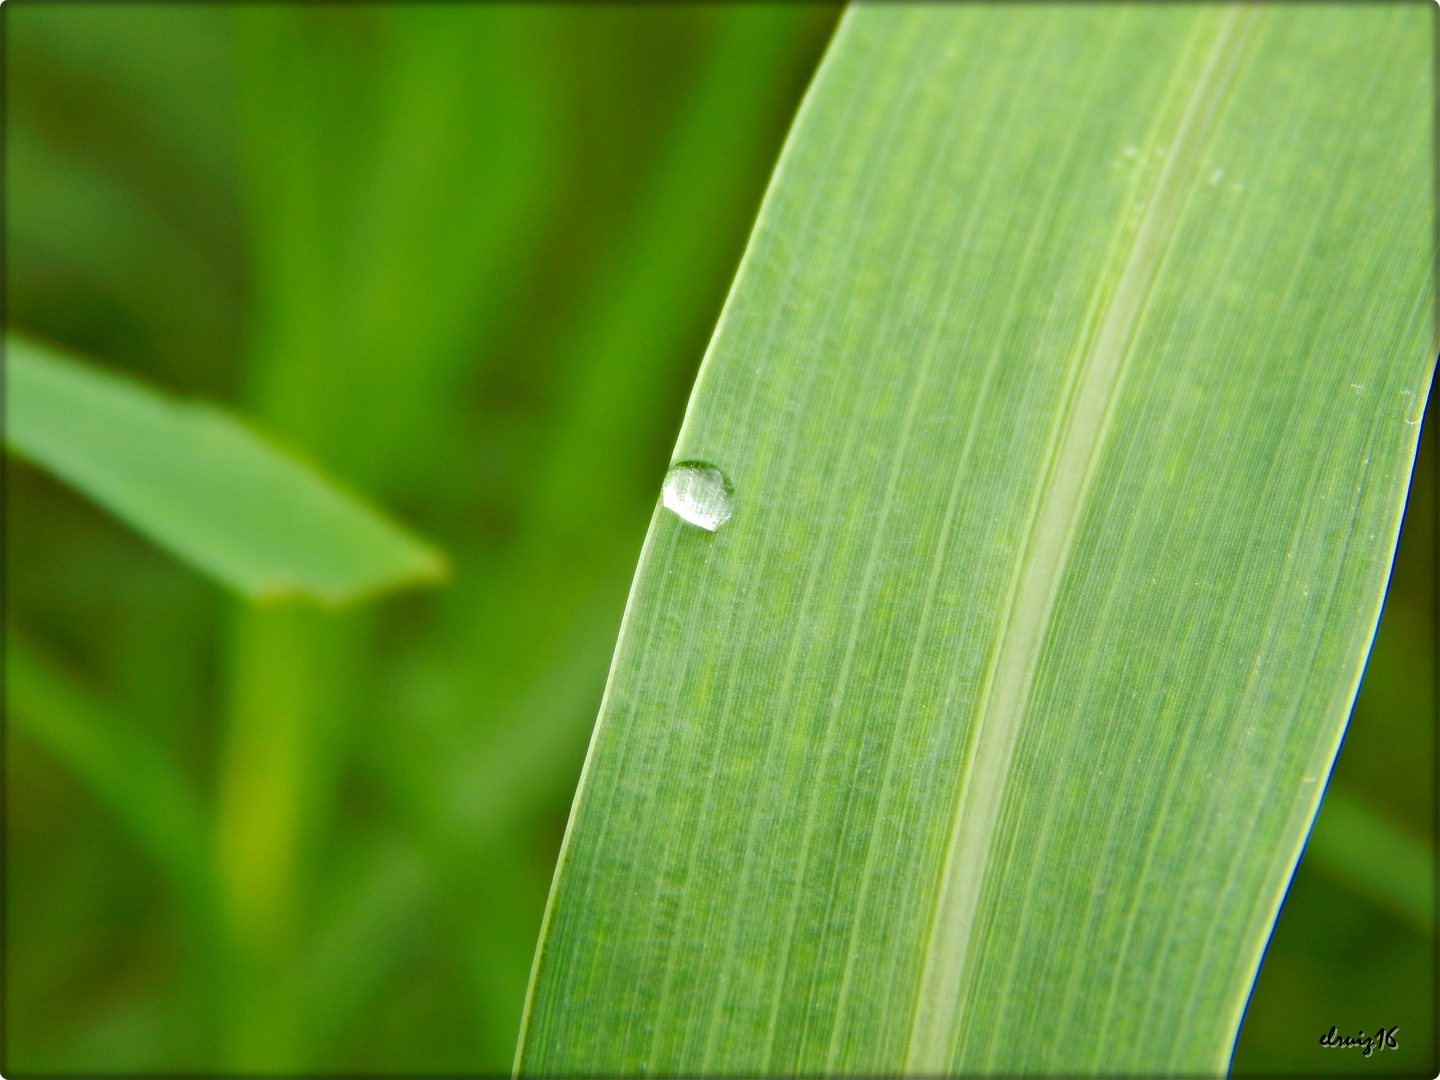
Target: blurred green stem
293, 669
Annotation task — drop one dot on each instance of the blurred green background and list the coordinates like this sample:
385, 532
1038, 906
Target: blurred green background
468, 258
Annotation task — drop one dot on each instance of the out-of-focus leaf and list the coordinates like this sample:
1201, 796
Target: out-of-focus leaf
203, 485
1372, 856
64, 213
133, 777
1069, 389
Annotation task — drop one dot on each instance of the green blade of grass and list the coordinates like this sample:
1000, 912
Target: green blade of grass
202, 485
1069, 389
132, 776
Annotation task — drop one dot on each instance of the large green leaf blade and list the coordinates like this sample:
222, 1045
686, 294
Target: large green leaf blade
203, 485
1069, 389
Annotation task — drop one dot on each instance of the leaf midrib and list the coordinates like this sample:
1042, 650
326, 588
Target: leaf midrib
1077, 446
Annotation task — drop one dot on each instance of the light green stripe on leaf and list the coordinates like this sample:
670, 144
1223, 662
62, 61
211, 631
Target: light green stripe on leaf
1069, 389
1081, 434
203, 485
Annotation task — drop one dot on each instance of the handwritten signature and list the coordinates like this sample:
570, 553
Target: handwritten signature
1383, 1039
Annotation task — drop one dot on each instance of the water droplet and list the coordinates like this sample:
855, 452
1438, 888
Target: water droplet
699, 493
